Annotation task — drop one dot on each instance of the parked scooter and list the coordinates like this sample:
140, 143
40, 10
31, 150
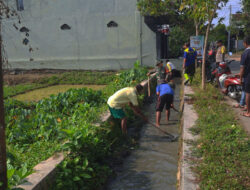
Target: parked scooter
218, 71
231, 85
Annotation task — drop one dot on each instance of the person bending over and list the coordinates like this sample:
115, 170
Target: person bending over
160, 71
170, 70
165, 99
121, 98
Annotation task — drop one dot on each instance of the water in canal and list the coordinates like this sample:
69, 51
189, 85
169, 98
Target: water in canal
153, 165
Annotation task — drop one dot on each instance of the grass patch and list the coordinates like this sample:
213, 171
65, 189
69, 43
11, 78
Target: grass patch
10, 91
223, 147
41, 93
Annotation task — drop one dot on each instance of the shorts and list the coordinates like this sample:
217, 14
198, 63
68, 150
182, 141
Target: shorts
246, 87
164, 100
117, 113
174, 73
246, 84
190, 70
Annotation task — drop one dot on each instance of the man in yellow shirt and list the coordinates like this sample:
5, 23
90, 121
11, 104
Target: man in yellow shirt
220, 54
123, 97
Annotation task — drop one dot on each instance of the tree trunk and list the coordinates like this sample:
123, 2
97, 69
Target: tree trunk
203, 85
196, 28
3, 168
204, 58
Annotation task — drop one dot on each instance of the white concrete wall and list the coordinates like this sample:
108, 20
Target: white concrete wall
89, 44
239, 45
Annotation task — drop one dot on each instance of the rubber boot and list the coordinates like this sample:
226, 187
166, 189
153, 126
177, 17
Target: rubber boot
186, 78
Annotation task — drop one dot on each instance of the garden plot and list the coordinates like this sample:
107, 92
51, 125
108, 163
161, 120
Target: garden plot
25, 82
41, 93
36, 130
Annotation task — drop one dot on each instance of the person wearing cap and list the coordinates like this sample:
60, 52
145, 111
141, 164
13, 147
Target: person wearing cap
165, 99
170, 70
121, 98
190, 56
160, 71
220, 54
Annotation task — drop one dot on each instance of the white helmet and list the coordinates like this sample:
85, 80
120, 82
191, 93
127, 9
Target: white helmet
222, 80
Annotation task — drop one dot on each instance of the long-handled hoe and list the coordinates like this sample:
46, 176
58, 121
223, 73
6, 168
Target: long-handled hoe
173, 137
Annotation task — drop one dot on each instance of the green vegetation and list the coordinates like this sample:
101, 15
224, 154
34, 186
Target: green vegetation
10, 91
177, 40
41, 93
36, 131
157, 7
74, 77
223, 148
91, 149
219, 33
169, 11
246, 16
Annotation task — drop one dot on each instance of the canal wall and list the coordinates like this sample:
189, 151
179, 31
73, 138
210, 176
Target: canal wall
185, 176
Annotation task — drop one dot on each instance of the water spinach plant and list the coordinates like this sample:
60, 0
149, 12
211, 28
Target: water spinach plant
65, 122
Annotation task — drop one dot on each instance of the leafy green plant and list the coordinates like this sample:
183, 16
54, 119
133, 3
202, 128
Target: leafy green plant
36, 130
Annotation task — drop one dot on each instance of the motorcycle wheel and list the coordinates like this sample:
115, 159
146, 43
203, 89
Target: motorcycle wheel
232, 93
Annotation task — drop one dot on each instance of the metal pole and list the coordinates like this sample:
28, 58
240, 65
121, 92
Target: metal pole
140, 39
139, 36
3, 168
229, 30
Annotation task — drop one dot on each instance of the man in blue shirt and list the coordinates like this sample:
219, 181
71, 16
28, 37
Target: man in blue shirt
245, 73
165, 98
190, 55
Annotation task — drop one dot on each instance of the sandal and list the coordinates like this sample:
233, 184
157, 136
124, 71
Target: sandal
244, 109
245, 114
238, 106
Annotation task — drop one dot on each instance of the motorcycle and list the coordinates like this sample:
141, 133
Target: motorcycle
218, 71
231, 85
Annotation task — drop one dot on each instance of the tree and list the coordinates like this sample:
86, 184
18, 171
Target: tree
176, 19
176, 40
219, 32
237, 26
246, 16
206, 11
5, 12
157, 7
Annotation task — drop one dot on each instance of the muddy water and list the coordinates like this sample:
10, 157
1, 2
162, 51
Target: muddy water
153, 166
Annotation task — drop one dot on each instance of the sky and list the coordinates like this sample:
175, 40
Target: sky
224, 12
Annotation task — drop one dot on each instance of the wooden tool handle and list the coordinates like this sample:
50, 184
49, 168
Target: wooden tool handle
149, 93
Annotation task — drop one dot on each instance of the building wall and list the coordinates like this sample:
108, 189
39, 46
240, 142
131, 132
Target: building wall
89, 44
239, 45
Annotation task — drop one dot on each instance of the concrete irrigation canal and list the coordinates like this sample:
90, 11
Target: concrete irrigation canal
153, 165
